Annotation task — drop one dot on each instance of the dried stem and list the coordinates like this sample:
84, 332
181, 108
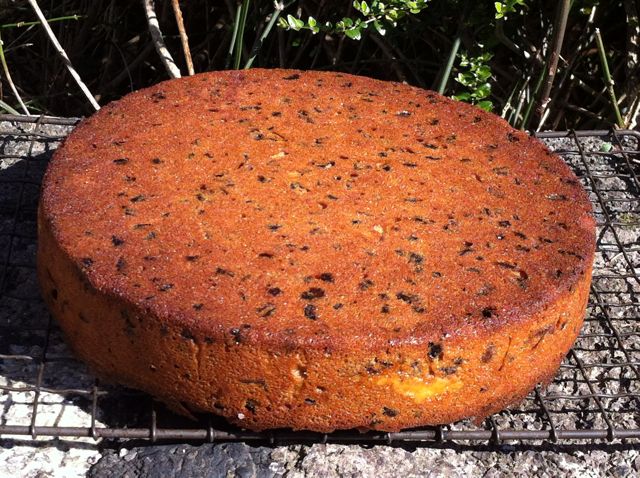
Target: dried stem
608, 80
386, 51
242, 22
63, 54
447, 69
5, 68
158, 42
279, 6
631, 85
9, 108
183, 36
559, 28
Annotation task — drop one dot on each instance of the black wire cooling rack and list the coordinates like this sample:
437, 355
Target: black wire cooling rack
595, 397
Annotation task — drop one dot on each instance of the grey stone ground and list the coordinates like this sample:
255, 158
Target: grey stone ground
613, 375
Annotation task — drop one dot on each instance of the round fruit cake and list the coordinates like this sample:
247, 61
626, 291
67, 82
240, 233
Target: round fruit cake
314, 250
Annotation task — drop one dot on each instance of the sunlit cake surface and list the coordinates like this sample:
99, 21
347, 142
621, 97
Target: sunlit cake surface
314, 250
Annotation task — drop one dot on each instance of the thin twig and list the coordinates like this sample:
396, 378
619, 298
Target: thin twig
559, 27
508, 42
608, 80
278, 7
584, 40
532, 100
447, 69
386, 51
234, 36
507, 103
63, 54
50, 20
522, 97
631, 85
123, 75
158, 42
10, 81
7, 107
183, 36
240, 36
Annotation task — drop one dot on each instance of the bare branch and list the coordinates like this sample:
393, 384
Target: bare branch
158, 42
559, 27
183, 36
63, 54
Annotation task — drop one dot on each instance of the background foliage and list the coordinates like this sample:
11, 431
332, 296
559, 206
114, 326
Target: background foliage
493, 54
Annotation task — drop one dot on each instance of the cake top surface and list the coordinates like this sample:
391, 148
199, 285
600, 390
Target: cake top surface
317, 209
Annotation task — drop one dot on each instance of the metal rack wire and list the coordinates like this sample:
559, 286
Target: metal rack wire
594, 397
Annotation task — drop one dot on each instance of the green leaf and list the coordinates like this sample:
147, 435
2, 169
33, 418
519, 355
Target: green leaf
313, 25
463, 96
606, 147
282, 23
295, 23
379, 28
353, 33
483, 72
485, 105
482, 91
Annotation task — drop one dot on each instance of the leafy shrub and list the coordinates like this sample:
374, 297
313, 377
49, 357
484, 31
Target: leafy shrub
492, 54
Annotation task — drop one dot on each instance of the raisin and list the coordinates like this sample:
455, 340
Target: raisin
326, 277
390, 412
87, 261
266, 310
488, 353
415, 258
310, 312
365, 284
251, 405
186, 333
435, 350
488, 312
312, 294
224, 272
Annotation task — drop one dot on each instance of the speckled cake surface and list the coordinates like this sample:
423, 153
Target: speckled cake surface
314, 250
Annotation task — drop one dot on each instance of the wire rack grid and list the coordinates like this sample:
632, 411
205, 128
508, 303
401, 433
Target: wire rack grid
595, 397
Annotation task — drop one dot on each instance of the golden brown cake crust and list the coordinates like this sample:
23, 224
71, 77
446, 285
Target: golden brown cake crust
314, 250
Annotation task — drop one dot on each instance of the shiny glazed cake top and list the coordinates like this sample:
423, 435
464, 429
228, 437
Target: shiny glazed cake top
316, 208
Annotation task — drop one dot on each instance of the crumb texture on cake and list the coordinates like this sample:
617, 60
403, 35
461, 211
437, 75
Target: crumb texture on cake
314, 250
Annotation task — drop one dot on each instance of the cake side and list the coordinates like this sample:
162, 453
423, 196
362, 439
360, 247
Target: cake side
260, 386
